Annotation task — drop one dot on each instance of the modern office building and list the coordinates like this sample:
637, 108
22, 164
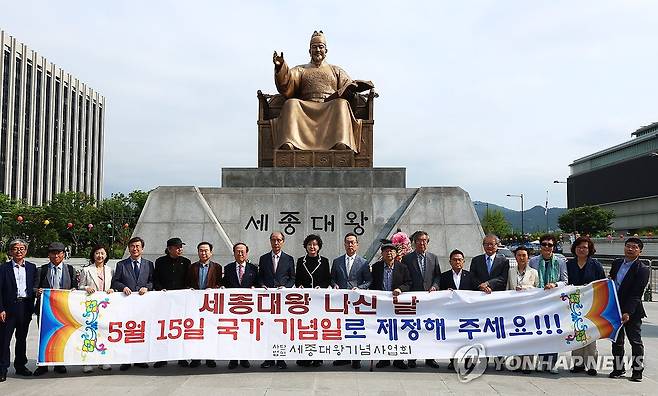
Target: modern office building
623, 178
52, 128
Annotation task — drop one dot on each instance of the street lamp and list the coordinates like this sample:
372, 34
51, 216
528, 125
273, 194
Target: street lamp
519, 196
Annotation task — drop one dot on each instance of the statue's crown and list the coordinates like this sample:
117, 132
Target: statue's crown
318, 36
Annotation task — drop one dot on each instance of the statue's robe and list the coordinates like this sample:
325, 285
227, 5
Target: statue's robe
308, 122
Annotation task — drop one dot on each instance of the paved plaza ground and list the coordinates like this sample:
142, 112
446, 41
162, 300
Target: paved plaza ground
173, 380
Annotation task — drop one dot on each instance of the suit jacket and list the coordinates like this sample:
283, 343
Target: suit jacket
423, 281
124, 276
466, 282
530, 279
359, 276
249, 278
632, 287
213, 277
8, 289
89, 277
44, 276
499, 272
401, 277
285, 270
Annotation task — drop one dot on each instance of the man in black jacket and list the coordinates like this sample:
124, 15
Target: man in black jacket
490, 270
170, 273
390, 275
631, 276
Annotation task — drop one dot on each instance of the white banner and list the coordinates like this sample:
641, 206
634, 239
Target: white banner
304, 324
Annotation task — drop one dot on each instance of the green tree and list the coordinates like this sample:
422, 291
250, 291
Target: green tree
71, 213
494, 222
586, 220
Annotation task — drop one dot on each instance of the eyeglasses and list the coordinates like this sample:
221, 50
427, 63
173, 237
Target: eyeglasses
276, 239
19, 249
489, 244
456, 259
546, 244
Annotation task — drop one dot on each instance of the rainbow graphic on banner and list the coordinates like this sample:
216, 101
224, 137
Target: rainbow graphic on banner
604, 312
57, 324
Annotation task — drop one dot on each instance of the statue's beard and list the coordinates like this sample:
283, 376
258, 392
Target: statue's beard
317, 58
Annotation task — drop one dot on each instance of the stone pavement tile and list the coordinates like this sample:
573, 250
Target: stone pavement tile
283, 392
418, 386
293, 381
216, 389
380, 381
336, 382
250, 380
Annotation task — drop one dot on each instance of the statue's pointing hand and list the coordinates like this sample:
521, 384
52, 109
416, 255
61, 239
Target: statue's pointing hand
278, 60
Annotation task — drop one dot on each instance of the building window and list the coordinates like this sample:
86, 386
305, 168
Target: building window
4, 136
38, 162
27, 150
46, 142
17, 123
72, 139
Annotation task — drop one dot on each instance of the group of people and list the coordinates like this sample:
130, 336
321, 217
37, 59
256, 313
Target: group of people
21, 285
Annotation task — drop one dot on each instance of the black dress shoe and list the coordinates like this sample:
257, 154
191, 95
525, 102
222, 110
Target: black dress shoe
124, 367
195, 363
617, 374
143, 365
399, 364
159, 364
636, 376
592, 372
316, 363
577, 369
211, 363
23, 371
267, 364
411, 363
3, 376
431, 363
183, 363
60, 369
383, 363
303, 363
451, 366
245, 363
356, 364
281, 364
233, 364
341, 362
41, 370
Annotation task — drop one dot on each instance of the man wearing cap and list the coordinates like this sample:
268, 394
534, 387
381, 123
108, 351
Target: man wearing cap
425, 274
311, 118
390, 275
18, 282
276, 269
133, 274
204, 274
170, 274
55, 275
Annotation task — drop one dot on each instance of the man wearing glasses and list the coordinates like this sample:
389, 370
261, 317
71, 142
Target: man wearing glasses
18, 281
552, 272
631, 276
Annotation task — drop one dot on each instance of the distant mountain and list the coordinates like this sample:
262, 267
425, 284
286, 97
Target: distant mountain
534, 219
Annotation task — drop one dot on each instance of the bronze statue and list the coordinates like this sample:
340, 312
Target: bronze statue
316, 115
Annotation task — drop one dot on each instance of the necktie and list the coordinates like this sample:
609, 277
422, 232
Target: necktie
202, 277
349, 265
241, 272
421, 262
136, 269
57, 278
275, 262
489, 264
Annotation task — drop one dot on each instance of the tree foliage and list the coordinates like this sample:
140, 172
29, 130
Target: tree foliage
590, 220
494, 222
74, 218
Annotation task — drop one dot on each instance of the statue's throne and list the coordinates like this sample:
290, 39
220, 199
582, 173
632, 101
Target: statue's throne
269, 107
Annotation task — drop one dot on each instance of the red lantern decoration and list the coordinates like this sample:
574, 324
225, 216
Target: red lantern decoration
69, 225
90, 226
19, 219
126, 225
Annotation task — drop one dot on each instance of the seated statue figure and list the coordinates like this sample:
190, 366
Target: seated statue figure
315, 115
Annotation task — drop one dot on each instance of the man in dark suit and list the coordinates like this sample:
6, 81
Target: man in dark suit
204, 274
350, 271
425, 273
133, 274
240, 274
457, 278
276, 269
490, 270
390, 275
18, 281
170, 273
631, 276
55, 275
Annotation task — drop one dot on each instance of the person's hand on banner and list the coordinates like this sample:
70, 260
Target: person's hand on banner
127, 291
142, 291
3, 316
397, 292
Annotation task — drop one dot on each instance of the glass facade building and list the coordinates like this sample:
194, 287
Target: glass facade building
52, 128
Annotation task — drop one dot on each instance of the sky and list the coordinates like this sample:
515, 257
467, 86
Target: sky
496, 97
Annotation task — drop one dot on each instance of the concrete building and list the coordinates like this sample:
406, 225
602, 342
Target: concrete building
622, 178
52, 128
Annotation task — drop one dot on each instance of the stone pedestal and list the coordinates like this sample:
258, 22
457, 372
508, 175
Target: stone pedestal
224, 216
314, 177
